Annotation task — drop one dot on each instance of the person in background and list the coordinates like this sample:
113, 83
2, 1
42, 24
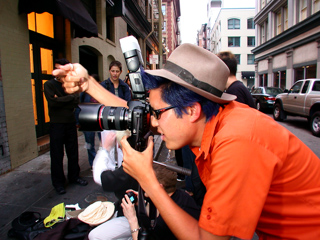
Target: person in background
90, 136
233, 85
63, 132
127, 226
114, 84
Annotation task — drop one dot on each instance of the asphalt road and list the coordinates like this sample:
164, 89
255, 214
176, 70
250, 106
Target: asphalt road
299, 126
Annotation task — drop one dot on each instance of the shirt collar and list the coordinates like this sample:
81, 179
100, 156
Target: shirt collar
210, 131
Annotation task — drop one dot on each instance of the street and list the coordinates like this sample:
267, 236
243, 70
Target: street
299, 126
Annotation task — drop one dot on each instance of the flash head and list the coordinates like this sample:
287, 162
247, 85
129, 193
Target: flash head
132, 53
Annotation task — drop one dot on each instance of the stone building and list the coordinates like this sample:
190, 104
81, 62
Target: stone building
288, 41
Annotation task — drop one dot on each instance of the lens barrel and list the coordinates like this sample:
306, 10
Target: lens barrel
97, 117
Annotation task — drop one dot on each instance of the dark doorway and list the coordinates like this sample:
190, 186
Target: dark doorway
89, 60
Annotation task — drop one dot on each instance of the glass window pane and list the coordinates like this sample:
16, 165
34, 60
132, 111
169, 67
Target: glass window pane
46, 61
163, 7
250, 59
33, 88
44, 24
316, 86
237, 56
250, 23
237, 41
31, 58
305, 87
32, 21
230, 24
236, 24
45, 104
251, 41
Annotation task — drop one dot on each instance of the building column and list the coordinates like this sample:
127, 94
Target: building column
270, 26
256, 77
290, 10
270, 73
290, 70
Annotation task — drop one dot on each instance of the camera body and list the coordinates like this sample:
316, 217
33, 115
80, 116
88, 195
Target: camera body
132, 197
136, 118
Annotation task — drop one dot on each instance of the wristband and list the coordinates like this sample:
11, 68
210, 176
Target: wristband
135, 230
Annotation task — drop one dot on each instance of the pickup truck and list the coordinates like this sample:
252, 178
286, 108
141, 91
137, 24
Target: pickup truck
303, 99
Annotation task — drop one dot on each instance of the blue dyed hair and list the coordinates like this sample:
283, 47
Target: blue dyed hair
179, 96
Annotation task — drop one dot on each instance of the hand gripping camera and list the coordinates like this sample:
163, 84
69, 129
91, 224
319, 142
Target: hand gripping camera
97, 117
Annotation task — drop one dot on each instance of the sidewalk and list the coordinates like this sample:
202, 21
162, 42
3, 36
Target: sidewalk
29, 188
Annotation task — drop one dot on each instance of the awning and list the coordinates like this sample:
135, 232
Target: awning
247, 75
70, 9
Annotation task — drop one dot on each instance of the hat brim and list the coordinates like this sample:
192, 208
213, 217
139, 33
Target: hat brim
110, 211
225, 98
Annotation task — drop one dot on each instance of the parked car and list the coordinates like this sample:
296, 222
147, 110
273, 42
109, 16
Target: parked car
303, 99
264, 97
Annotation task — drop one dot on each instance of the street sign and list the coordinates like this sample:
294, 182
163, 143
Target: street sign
153, 59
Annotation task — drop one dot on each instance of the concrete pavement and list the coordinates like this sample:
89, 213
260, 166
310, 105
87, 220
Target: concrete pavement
28, 187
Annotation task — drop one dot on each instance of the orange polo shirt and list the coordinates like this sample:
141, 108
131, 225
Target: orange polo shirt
259, 177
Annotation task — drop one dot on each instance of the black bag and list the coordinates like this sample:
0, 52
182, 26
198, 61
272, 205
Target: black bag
27, 226
71, 229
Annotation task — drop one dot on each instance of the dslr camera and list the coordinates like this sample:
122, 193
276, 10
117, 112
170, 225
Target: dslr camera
136, 118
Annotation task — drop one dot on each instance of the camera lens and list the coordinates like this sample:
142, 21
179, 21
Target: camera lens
114, 118
97, 117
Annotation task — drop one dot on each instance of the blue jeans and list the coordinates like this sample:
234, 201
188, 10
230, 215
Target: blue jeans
90, 145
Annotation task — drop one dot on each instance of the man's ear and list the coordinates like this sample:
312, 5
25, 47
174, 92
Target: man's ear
194, 112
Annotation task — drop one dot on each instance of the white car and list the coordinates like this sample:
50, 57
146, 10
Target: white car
303, 99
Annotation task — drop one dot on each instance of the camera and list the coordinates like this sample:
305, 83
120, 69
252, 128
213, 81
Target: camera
136, 118
132, 197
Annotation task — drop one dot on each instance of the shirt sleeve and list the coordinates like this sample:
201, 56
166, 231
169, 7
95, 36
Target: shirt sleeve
53, 98
100, 164
127, 93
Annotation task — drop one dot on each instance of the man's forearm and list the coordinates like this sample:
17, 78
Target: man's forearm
103, 96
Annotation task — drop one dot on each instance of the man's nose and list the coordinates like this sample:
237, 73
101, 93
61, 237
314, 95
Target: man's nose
154, 121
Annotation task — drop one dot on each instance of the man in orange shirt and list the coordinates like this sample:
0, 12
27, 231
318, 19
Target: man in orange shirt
259, 176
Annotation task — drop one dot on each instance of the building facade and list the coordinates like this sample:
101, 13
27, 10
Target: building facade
288, 41
170, 31
35, 33
233, 30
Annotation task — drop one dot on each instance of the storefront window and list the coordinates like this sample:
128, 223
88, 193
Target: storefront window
41, 23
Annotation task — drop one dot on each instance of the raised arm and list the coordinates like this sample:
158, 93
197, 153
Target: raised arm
139, 166
76, 79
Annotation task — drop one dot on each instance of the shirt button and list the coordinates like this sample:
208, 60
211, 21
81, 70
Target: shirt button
208, 217
209, 210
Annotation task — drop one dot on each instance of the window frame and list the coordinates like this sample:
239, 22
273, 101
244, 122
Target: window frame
234, 41
234, 25
254, 41
250, 22
249, 59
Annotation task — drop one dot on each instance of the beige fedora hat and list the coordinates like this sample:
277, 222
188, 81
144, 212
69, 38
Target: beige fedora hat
198, 70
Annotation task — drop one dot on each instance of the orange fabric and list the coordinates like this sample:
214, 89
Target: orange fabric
259, 177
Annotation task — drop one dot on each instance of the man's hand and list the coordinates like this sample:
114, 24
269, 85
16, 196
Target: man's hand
138, 164
74, 77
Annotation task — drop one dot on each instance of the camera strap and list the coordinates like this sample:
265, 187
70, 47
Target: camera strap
146, 222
